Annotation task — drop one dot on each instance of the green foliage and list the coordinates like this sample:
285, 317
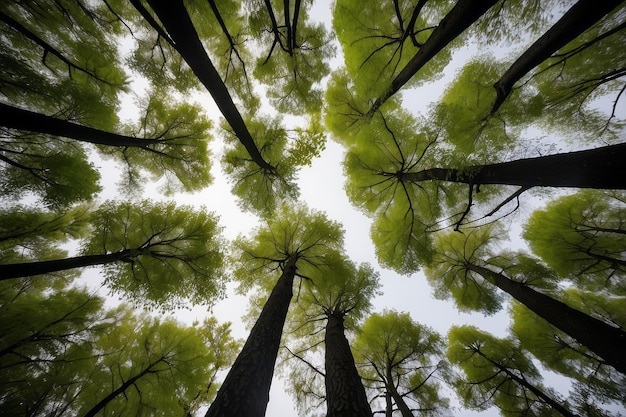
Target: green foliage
292, 231
582, 236
482, 357
174, 253
378, 40
259, 190
56, 172
561, 353
176, 145
450, 276
395, 352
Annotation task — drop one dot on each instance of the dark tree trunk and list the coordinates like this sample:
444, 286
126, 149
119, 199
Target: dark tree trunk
462, 15
176, 20
345, 394
28, 269
582, 15
16, 118
120, 390
604, 340
523, 382
601, 168
246, 389
397, 398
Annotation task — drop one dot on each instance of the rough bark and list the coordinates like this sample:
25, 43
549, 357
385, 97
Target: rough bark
16, 118
121, 389
601, 168
580, 17
345, 394
462, 15
178, 24
535, 390
604, 340
246, 388
29, 269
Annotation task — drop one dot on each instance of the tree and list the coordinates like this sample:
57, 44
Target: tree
133, 242
464, 266
498, 373
401, 360
294, 241
163, 367
597, 383
332, 301
583, 236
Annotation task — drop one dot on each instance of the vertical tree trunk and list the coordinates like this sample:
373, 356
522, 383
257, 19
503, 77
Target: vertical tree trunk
246, 389
345, 394
601, 168
604, 340
28, 269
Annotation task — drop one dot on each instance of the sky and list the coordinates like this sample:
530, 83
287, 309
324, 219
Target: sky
321, 187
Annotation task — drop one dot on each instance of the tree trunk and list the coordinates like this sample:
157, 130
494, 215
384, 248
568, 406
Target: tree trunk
397, 398
246, 389
345, 394
601, 168
178, 24
604, 340
16, 118
462, 15
121, 389
582, 15
523, 382
28, 269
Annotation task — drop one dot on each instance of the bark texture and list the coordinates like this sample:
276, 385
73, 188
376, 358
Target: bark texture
604, 340
345, 394
601, 168
246, 389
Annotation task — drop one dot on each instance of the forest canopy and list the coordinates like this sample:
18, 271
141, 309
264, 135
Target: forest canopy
407, 208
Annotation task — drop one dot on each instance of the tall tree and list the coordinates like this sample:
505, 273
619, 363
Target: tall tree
464, 265
402, 361
335, 297
583, 235
148, 251
294, 241
499, 373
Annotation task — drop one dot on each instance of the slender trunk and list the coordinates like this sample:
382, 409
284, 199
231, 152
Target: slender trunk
121, 389
523, 382
16, 118
178, 24
345, 394
246, 389
580, 17
601, 168
28, 269
462, 15
397, 398
604, 340
388, 405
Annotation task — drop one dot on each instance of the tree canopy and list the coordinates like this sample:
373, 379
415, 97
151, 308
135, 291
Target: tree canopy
162, 161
